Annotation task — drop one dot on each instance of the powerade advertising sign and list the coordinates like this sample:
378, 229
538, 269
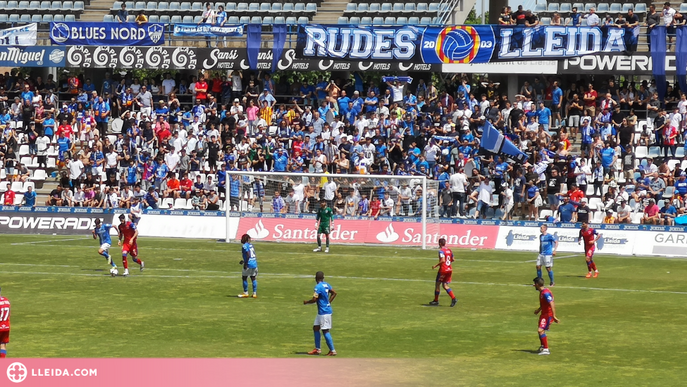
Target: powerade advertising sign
107, 34
458, 44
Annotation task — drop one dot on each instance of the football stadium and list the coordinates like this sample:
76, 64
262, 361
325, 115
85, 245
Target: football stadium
468, 193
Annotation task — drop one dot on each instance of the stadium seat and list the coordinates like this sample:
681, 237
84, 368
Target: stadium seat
433, 8
654, 151
279, 20
116, 6
366, 21
276, 8
641, 152
683, 7
33, 5
47, 18
16, 186
354, 20
680, 152
25, 186
409, 8
602, 7
176, 19
628, 6
342, 20
256, 20
188, 19
25, 19
378, 21
385, 8
107, 18
230, 7
198, 19
154, 19
615, 8
197, 6
23, 150
162, 8
311, 9
421, 8
579, 6
164, 19
287, 7
23, 5
303, 20
350, 9
269, 20
68, 6
180, 203
233, 20
58, 18
139, 5
253, 8
299, 8
401, 20
413, 20
640, 9
553, 7
44, 4
564, 9
291, 20
397, 8
425, 21
373, 9
174, 8
264, 8
244, 20
242, 7
152, 7
36, 19
185, 6
588, 6
545, 21
166, 203
11, 6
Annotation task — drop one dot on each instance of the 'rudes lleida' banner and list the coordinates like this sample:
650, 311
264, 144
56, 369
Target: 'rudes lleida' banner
107, 34
458, 44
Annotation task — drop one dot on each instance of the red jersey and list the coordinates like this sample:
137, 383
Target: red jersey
128, 230
588, 236
201, 90
66, 129
186, 184
4, 314
9, 198
447, 254
375, 207
545, 300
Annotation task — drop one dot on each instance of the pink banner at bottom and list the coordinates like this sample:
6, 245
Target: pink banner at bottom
191, 372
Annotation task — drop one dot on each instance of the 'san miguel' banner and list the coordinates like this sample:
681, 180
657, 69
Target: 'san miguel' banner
458, 44
107, 34
218, 59
35, 56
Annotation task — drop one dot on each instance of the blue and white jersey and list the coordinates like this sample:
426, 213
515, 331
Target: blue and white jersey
249, 255
546, 244
322, 291
103, 233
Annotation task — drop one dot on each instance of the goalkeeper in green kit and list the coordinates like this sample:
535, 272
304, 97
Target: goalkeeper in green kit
324, 220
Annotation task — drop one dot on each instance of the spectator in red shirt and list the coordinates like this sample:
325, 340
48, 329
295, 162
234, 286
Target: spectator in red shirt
9, 196
173, 186
575, 194
65, 128
201, 89
375, 207
186, 186
651, 213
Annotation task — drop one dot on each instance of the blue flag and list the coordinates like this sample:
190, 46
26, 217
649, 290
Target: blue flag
254, 36
494, 142
681, 57
279, 31
658, 58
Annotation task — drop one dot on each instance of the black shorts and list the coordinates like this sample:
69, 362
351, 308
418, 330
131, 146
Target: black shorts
554, 108
234, 201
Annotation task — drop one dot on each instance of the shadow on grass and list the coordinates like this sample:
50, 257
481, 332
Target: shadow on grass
532, 351
430, 306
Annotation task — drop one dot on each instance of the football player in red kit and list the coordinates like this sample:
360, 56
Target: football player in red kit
445, 272
548, 314
128, 233
4, 325
590, 236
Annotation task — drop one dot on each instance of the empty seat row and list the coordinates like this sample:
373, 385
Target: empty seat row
15, 18
389, 21
250, 9
419, 9
42, 6
17, 186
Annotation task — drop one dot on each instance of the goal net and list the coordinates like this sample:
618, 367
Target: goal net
282, 206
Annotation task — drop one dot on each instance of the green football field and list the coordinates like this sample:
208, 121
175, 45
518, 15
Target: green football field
626, 327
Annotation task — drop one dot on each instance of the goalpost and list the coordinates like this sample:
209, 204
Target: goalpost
294, 196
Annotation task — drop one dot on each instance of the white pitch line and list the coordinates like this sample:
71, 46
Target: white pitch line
48, 241
563, 257
284, 275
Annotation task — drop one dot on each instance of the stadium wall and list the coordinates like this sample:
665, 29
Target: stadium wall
669, 241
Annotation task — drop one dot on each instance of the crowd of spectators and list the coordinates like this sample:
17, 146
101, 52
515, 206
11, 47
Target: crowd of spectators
582, 143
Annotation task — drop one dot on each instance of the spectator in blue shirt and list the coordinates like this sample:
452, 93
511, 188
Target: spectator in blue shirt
566, 211
681, 184
557, 101
668, 213
30, 197
544, 115
371, 103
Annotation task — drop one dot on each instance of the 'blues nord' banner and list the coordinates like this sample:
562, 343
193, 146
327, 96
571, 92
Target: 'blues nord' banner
458, 44
207, 30
36, 56
19, 36
107, 34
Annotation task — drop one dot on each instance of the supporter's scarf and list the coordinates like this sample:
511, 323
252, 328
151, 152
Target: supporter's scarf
658, 58
494, 142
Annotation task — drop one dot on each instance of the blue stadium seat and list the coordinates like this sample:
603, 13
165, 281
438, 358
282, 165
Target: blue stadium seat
288, 7
615, 8
253, 8
397, 8
374, 8
174, 7
108, 18
390, 21
545, 21
421, 8
11, 6
579, 6
303, 20
365, 21
276, 8
187, 19
589, 6
265, 8
628, 6
433, 8
162, 7
565, 8
176, 19
44, 5
197, 6
539, 8
3, 5
311, 8
279, 20
299, 8
23, 6
230, 7
355, 20
256, 20
25, 19
47, 18
402, 20
414, 21
164, 19
151, 7
185, 6
409, 8
362, 9
242, 7
36, 19
343, 19
116, 6
14, 18
79, 6
640, 8
139, 5
377, 21
197, 19
67, 6
350, 9
244, 20
602, 7
291, 20
233, 20
553, 7
154, 19
386, 8
35, 5
4, 18
269, 20
58, 18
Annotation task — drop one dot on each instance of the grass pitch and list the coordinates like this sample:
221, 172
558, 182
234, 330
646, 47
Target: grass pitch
626, 327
